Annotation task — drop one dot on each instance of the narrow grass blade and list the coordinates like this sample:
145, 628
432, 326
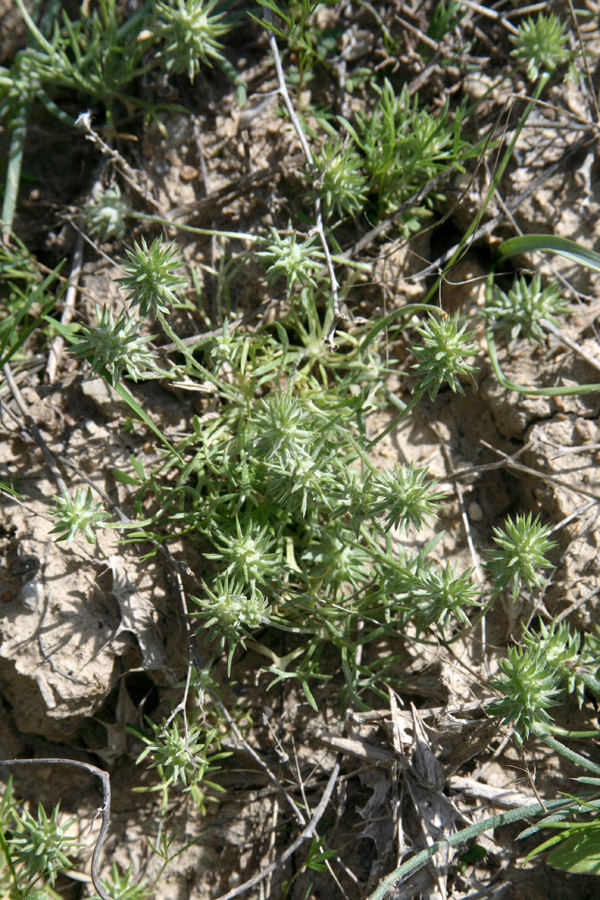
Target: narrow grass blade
35, 297
548, 243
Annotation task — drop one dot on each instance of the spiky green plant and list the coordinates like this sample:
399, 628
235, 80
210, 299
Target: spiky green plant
150, 277
121, 885
530, 686
182, 757
403, 497
248, 553
443, 596
404, 146
231, 609
522, 309
286, 257
190, 31
342, 183
563, 650
540, 44
520, 556
42, 844
105, 215
441, 355
117, 347
78, 514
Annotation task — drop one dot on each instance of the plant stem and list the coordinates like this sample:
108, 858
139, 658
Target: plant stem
541, 84
35, 31
565, 391
514, 815
13, 171
11, 866
590, 681
569, 754
397, 419
233, 235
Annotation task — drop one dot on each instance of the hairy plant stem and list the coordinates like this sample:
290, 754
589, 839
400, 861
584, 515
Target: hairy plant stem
11, 866
416, 861
569, 754
13, 170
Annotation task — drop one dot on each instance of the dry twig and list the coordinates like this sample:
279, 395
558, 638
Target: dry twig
106, 795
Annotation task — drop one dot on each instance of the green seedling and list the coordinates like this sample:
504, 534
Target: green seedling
150, 278
122, 886
182, 756
403, 147
117, 347
540, 44
343, 185
522, 311
520, 556
105, 215
78, 514
296, 261
41, 845
530, 687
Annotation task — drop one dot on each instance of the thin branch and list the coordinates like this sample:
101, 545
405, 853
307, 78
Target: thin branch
306, 834
572, 345
588, 74
490, 14
309, 158
193, 654
84, 121
519, 467
106, 795
239, 736
56, 347
33, 429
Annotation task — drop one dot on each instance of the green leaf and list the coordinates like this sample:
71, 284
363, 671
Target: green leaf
579, 853
317, 857
35, 297
528, 243
120, 389
309, 696
137, 409
125, 478
7, 489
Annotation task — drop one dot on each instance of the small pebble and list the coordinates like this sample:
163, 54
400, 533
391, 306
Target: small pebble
31, 594
475, 512
90, 427
188, 173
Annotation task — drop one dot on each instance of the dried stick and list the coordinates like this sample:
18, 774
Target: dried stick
491, 14
510, 463
306, 834
84, 121
572, 345
193, 654
239, 736
33, 429
56, 347
588, 74
309, 158
106, 794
